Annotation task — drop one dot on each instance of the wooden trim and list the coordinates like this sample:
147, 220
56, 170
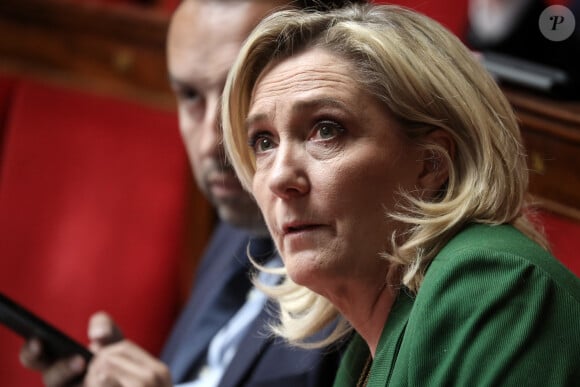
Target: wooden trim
558, 208
128, 23
538, 113
109, 48
551, 132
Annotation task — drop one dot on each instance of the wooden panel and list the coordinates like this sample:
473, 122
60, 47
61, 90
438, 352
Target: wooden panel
551, 132
112, 49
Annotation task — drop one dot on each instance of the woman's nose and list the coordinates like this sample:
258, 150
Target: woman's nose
288, 176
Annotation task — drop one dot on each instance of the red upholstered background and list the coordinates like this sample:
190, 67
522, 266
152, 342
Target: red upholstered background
564, 236
93, 195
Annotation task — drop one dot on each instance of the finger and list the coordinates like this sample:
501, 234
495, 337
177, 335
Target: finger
106, 370
103, 331
31, 355
141, 368
100, 375
62, 372
127, 364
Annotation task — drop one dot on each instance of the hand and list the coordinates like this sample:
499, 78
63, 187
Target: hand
102, 331
125, 364
55, 372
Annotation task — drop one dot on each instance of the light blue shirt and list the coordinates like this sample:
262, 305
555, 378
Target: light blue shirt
224, 344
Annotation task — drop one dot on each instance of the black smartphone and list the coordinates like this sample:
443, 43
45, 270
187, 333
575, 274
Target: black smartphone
56, 344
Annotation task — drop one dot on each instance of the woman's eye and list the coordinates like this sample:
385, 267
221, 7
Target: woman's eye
261, 143
264, 144
327, 129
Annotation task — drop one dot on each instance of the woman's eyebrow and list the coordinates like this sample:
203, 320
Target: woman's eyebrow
253, 118
299, 107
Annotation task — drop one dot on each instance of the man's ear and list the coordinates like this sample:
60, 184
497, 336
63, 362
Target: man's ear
438, 155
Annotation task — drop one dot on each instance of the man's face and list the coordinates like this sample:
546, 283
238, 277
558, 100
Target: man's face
204, 39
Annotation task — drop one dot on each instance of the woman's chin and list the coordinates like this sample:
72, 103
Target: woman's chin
311, 278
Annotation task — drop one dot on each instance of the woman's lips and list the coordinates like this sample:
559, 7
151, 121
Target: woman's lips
299, 227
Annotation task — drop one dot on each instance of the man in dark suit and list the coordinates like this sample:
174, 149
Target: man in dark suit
221, 337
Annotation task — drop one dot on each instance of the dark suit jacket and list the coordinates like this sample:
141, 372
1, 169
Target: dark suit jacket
260, 360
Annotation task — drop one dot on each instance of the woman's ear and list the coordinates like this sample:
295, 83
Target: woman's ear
438, 156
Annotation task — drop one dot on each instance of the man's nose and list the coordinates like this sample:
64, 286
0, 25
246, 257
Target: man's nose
211, 138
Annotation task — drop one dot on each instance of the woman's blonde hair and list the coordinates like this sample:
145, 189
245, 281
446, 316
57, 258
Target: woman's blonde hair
427, 79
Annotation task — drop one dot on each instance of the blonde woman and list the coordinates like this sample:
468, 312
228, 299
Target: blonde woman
390, 172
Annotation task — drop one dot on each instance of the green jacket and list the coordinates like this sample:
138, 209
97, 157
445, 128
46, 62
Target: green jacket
495, 309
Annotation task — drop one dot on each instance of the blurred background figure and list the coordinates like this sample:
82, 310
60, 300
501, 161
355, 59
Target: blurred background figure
512, 28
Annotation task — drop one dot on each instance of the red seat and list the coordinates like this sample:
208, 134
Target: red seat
564, 236
7, 85
93, 199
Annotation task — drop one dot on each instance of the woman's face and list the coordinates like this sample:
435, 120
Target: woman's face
330, 160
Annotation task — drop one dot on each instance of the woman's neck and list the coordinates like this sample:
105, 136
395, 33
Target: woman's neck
367, 305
